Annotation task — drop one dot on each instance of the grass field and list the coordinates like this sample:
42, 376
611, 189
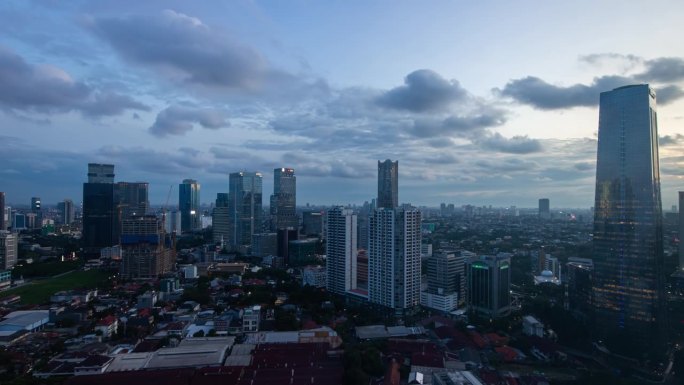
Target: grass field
39, 291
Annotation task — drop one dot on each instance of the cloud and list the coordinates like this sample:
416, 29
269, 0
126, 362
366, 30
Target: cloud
48, 89
670, 140
423, 91
540, 94
515, 145
186, 49
178, 120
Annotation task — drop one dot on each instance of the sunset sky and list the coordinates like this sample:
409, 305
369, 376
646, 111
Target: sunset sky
490, 102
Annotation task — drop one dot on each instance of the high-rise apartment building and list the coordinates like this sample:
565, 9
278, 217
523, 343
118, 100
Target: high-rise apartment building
341, 253
488, 290
146, 251
67, 211
9, 247
394, 258
245, 205
388, 184
628, 291
544, 208
284, 199
98, 209
220, 223
188, 205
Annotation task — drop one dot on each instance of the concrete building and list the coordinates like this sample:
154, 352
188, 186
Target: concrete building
315, 276
388, 184
251, 317
3, 213
532, 327
394, 264
67, 211
544, 208
221, 220
312, 223
264, 244
446, 280
146, 250
341, 250
9, 248
245, 206
284, 199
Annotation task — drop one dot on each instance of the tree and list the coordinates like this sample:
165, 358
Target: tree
199, 333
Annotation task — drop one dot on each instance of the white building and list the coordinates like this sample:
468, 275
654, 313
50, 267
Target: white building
394, 264
341, 249
8, 249
250, 319
532, 327
441, 302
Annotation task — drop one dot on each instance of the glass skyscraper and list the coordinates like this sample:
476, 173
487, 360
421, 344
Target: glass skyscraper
628, 291
284, 199
188, 204
244, 207
388, 184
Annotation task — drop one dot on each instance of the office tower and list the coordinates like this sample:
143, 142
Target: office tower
38, 211
66, 211
99, 218
341, 264
681, 232
188, 204
446, 280
301, 252
9, 247
283, 238
220, 223
132, 198
579, 279
394, 258
172, 222
388, 184
544, 208
18, 221
284, 199
244, 205
146, 251
312, 223
488, 290
628, 237
3, 219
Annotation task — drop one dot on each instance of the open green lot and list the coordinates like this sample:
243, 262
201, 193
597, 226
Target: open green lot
39, 291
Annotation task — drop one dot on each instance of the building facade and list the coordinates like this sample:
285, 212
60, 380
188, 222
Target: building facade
628, 289
394, 266
220, 222
544, 208
489, 285
245, 205
284, 199
341, 250
99, 220
146, 251
188, 205
3, 220
9, 248
388, 184
67, 211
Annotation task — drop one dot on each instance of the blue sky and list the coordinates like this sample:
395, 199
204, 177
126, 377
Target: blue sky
481, 103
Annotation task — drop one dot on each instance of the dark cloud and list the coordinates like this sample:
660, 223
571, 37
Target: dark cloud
599, 57
423, 90
670, 140
46, 89
584, 166
514, 145
663, 70
185, 49
540, 94
178, 120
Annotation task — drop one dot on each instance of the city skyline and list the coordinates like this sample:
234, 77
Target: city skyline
247, 86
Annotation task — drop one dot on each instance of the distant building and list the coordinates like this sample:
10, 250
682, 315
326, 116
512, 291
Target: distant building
579, 278
489, 285
544, 208
37, 209
67, 212
362, 269
132, 198
3, 214
315, 276
284, 237
302, 251
388, 184
264, 244
312, 223
251, 317
341, 250
146, 251
532, 327
284, 199
221, 220
9, 247
98, 209
188, 205
245, 206
446, 277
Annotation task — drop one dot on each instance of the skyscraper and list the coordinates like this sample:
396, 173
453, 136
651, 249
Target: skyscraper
284, 199
146, 250
188, 204
132, 198
394, 258
220, 223
36, 209
544, 208
341, 265
680, 267
388, 184
628, 289
3, 222
66, 211
98, 209
244, 206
